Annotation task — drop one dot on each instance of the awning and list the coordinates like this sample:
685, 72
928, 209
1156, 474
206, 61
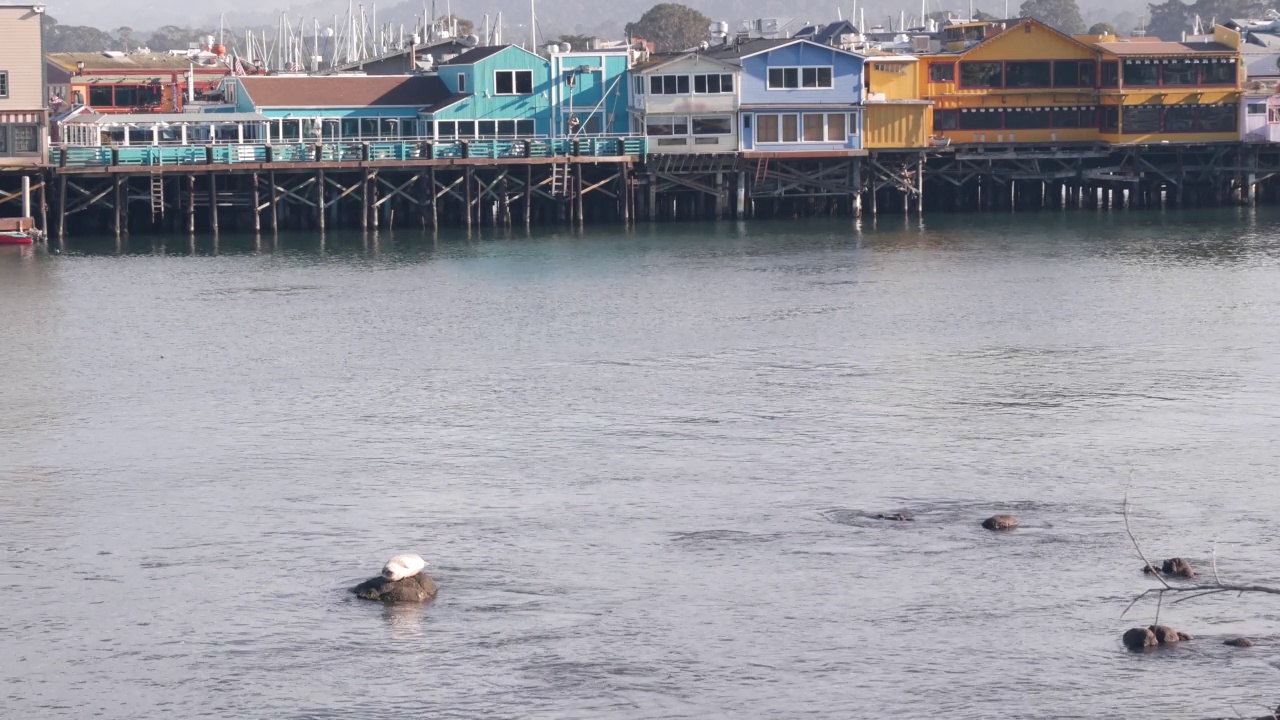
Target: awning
22, 117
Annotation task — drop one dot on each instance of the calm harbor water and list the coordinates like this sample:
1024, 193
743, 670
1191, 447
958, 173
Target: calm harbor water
641, 464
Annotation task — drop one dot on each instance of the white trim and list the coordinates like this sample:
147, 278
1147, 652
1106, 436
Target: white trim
514, 85
807, 42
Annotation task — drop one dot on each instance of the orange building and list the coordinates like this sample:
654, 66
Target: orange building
1014, 82
131, 83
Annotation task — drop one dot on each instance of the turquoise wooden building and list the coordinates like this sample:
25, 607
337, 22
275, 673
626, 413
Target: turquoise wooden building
498, 91
591, 92
336, 108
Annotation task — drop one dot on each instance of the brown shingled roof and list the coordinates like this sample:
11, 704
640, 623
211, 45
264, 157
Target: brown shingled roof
345, 91
1162, 47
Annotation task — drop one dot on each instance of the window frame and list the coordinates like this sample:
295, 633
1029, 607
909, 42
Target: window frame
1047, 65
675, 121
462, 82
785, 72
13, 140
4, 84
728, 125
951, 66
960, 81
675, 78
722, 79
514, 76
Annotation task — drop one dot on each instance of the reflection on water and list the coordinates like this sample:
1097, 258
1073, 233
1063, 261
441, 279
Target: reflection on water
647, 464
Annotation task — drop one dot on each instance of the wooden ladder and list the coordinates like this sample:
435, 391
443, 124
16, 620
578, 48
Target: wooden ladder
762, 170
559, 180
157, 195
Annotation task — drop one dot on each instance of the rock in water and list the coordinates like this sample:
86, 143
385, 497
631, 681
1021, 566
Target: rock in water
1139, 639
417, 588
1240, 642
1000, 522
403, 566
895, 517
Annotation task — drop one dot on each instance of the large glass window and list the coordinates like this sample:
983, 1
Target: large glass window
150, 95
977, 120
126, 96
513, 82
446, 129
713, 125
487, 128
814, 127
666, 125
942, 72
4, 84
790, 128
1178, 73
816, 77
712, 84
26, 139
784, 78
1139, 120
466, 128
1110, 74
524, 128
945, 120
1138, 74
1109, 120
1179, 119
506, 128
350, 128
1028, 75
981, 75
669, 85
1217, 118
1028, 119
1218, 73
1256, 108
767, 128
1068, 118
1073, 73
836, 127
100, 96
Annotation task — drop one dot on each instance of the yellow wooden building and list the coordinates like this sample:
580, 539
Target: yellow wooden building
1019, 82
895, 114
1152, 91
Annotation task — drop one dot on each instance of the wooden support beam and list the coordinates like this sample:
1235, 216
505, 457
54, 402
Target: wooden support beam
115, 214
364, 202
213, 203
257, 207
433, 198
62, 210
191, 204
275, 203
467, 177
528, 196
320, 204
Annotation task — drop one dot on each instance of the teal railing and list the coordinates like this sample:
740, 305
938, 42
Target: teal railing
234, 154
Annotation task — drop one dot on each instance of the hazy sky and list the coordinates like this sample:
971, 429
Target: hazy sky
149, 14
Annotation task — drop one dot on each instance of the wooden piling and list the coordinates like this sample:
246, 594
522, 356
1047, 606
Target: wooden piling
469, 176
257, 203
320, 200
115, 215
213, 203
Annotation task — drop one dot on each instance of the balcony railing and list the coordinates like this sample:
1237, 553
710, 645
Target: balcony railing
353, 152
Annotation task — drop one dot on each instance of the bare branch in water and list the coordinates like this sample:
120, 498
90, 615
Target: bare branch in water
1147, 563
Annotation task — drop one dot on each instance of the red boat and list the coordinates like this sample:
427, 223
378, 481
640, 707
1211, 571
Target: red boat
16, 238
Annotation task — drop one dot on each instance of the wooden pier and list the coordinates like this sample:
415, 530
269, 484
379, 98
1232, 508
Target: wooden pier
320, 191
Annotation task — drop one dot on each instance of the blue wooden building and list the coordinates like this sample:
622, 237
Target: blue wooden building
591, 91
496, 91
796, 95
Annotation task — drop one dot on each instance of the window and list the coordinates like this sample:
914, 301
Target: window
446, 129
979, 120
590, 126
818, 77
390, 128
1139, 119
836, 127
666, 125
462, 82
524, 128
767, 128
4, 84
1256, 108
369, 128
798, 77
790, 128
466, 128
1273, 115
507, 128
26, 140
1218, 73
1178, 73
942, 72
1073, 73
1026, 119
350, 128
1070, 118
487, 128
126, 96
513, 82
100, 96
1110, 74
1135, 74
4, 139
1217, 118
712, 84
669, 85
814, 127
1110, 120
150, 95
1179, 119
713, 125
782, 78
945, 120
1027, 74
981, 75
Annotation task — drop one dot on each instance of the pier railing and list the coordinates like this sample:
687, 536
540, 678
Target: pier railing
259, 153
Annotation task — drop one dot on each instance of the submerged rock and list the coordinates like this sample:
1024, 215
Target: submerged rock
1000, 522
1173, 567
413, 589
1166, 635
895, 517
1240, 642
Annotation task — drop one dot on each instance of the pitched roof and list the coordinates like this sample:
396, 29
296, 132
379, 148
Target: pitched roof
1163, 47
443, 103
737, 51
475, 55
94, 61
345, 91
